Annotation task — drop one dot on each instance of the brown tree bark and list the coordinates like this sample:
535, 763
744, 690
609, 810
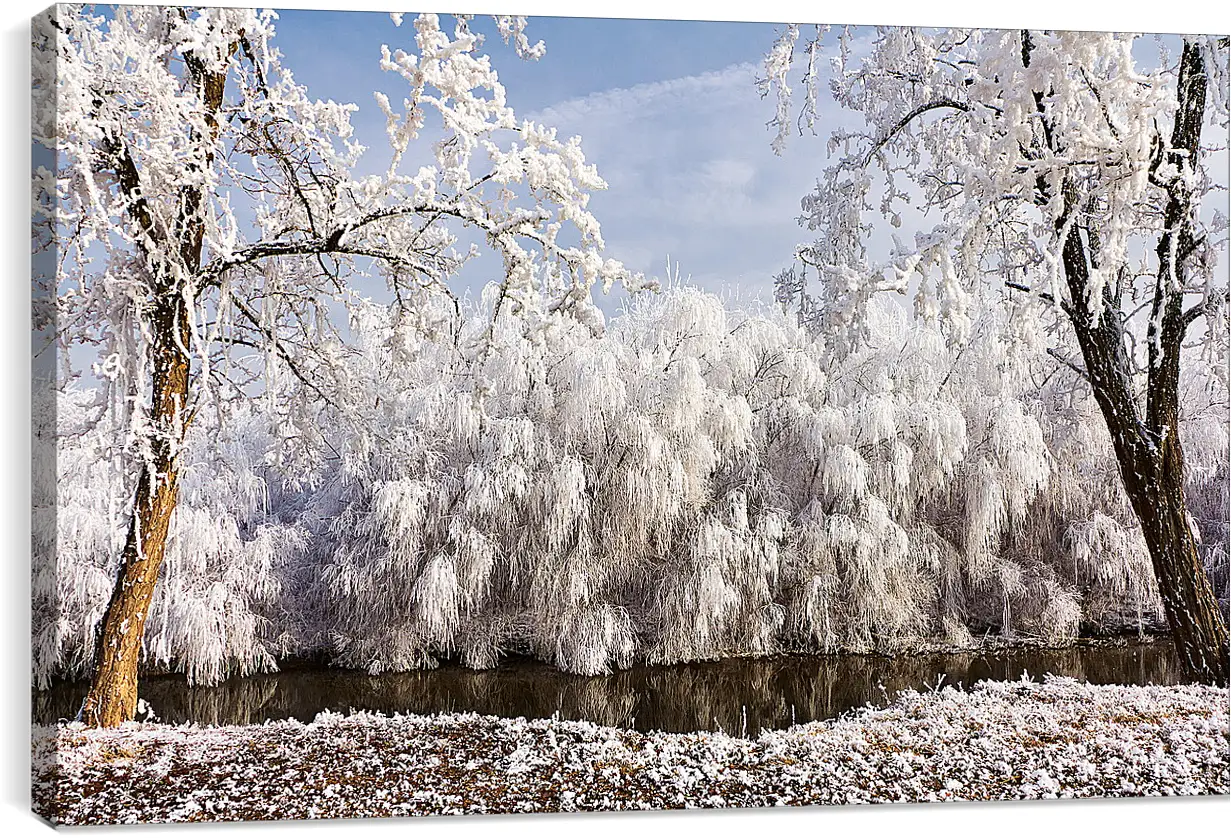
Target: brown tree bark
1155, 477
112, 697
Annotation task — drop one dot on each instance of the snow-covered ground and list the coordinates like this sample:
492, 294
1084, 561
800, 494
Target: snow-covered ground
1000, 740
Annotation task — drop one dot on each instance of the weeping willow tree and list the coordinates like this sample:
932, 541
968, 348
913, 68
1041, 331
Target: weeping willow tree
1067, 178
210, 230
694, 481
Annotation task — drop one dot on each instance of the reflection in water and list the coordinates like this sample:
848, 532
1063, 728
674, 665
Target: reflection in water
736, 695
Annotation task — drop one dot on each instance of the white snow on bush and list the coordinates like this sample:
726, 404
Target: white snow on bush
698, 481
385, 473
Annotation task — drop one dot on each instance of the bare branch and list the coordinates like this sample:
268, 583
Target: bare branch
1042, 295
888, 136
1053, 353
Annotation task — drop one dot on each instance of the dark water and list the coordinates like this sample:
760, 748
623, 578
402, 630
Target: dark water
738, 696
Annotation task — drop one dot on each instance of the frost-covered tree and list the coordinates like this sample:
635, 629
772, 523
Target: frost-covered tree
697, 480
211, 235
1067, 177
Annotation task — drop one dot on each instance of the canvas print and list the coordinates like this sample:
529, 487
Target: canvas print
449, 414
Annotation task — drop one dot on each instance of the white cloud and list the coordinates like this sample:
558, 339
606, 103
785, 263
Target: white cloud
691, 176
651, 98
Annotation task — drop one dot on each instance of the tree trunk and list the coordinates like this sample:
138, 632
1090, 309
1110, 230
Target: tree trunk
1155, 486
1151, 461
112, 699
1149, 453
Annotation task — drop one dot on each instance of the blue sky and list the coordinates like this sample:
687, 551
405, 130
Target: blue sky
668, 111
584, 55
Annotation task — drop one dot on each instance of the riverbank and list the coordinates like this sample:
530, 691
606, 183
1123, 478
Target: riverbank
732, 695
998, 741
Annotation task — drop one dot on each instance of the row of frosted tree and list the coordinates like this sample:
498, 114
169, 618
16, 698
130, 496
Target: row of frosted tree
282, 430
695, 480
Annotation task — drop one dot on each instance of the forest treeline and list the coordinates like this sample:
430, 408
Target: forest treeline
693, 479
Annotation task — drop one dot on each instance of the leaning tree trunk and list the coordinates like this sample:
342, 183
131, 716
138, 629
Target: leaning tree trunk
1152, 471
1156, 482
1156, 489
112, 699
1148, 449
1151, 461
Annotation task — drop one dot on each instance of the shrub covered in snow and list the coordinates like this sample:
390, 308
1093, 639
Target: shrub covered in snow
688, 481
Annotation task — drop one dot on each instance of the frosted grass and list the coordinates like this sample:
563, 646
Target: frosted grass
1001, 741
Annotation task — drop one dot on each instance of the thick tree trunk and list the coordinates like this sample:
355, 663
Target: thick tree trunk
1148, 448
112, 699
1155, 487
1156, 484
1151, 461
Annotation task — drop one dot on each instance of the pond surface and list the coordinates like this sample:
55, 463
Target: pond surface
740, 696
